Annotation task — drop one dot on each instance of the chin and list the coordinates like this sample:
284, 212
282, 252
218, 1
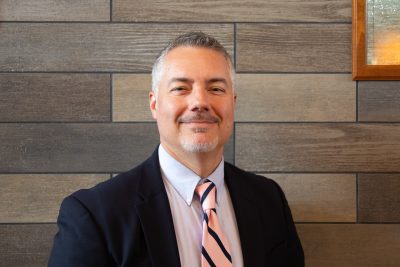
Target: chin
199, 147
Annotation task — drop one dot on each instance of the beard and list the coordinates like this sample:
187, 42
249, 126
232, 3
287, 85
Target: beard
194, 146
191, 144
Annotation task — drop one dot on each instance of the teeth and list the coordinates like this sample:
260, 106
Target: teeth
200, 130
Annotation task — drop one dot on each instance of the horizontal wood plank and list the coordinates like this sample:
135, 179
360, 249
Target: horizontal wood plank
295, 97
319, 197
320, 147
349, 245
84, 47
131, 97
293, 48
74, 147
55, 10
26, 245
232, 11
36, 198
55, 97
379, 198
379, 101
261, 97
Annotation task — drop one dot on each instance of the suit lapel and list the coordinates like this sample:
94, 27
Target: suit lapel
247, 218
155, 216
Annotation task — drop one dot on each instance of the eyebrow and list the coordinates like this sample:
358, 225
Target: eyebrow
179, 79
187, 80
216, 80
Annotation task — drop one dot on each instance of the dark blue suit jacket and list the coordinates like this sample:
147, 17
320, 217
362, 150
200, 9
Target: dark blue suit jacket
126, 221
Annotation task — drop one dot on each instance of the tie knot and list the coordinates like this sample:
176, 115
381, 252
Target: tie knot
207, 194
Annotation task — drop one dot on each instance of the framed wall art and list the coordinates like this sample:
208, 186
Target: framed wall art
376, 40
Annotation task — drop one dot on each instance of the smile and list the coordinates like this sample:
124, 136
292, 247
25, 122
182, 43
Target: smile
200, 122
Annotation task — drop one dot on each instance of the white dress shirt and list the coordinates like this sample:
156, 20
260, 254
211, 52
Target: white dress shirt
180, 183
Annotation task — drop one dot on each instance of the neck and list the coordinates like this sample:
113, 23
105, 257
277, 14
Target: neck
203, 164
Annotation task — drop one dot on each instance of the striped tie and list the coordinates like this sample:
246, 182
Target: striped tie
215, 248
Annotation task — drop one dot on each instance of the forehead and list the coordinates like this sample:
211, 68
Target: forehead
192, 60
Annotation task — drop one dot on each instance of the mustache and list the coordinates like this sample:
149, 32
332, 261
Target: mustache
201, 116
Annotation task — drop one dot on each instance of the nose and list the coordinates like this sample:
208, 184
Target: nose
199, 99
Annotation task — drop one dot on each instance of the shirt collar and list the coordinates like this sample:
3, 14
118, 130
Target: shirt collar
184, 180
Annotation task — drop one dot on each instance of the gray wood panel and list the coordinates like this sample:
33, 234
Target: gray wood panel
379, 101
131, 97
26, 245
54, 10
319, 147
74, 147
232, 11
36, 198
293, 48
379, 198
349, 245
82, 47
295, 97
55, 97
319, 197
261, 97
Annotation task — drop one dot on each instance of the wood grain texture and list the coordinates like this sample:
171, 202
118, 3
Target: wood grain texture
349, 245
55, 97
232, 11
379, 101
73, 147
81, 47
295, 97
293, 48
36, 198
319, 197
54, 10
319, 147
131, 97
379, 198
26, 245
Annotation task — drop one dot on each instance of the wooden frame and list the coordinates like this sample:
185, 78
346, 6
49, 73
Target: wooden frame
361, 70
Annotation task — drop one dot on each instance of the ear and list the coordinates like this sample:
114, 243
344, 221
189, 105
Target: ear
234, 98
153, 104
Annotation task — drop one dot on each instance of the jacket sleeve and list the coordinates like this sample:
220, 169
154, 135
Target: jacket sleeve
78, 241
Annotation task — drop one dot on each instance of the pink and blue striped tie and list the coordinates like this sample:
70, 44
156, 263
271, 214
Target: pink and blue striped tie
215, 247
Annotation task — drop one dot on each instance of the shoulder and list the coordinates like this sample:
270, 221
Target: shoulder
112, 189
121, 192
251, 181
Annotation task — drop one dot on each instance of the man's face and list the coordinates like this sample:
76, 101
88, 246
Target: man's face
194, 106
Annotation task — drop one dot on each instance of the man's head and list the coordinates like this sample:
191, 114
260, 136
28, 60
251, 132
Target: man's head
192, 97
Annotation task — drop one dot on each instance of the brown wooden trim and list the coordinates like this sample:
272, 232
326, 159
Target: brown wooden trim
361, 70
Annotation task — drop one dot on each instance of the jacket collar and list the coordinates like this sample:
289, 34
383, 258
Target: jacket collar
158, 231
247, 216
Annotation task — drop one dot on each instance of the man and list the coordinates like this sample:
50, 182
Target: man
184, 206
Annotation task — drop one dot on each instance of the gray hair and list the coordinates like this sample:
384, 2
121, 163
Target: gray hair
191, 39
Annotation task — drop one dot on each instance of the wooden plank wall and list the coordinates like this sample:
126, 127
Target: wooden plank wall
74, 77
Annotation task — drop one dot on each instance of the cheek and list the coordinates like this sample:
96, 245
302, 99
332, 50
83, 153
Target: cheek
170, 109
226, 111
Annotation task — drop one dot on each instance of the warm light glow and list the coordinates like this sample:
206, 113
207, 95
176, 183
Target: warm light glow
387, 48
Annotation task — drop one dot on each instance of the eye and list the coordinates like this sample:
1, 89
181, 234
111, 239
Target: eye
179, 90
217, 90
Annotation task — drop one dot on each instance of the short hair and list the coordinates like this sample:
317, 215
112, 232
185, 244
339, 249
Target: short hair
191, 39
